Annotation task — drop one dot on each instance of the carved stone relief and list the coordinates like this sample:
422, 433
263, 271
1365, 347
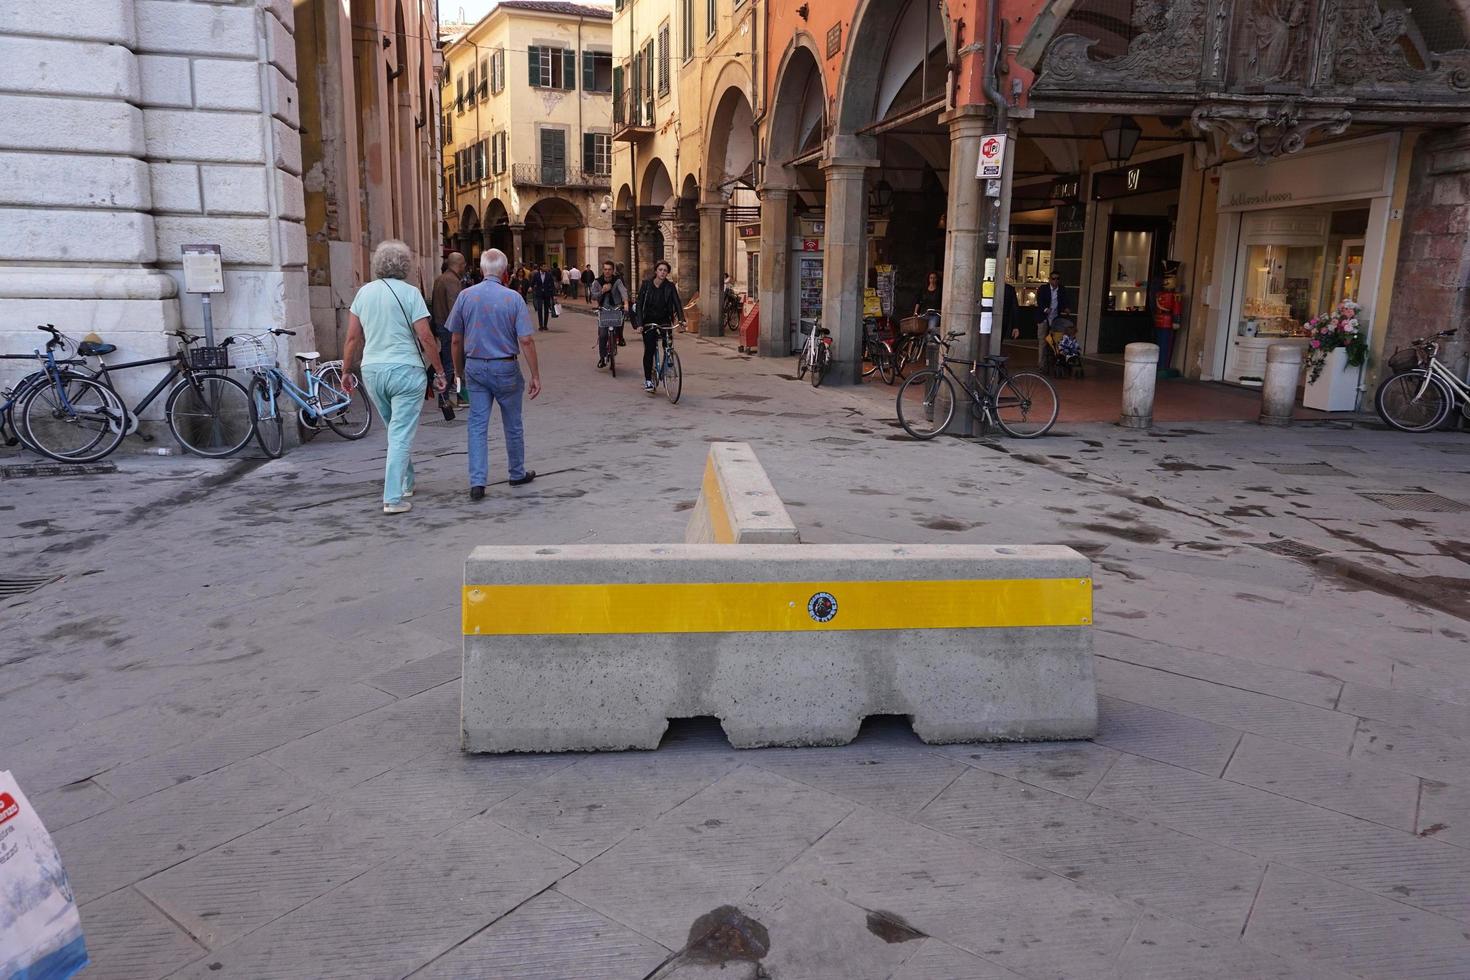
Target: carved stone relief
1267, 131
1164, 55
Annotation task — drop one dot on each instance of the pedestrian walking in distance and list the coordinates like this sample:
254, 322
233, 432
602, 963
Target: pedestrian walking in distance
389, 344
492, 330
543, 293
446, 291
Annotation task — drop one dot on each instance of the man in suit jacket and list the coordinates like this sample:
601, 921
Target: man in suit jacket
1052, 301
543, 293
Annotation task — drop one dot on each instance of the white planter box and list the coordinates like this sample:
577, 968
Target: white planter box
1336, 388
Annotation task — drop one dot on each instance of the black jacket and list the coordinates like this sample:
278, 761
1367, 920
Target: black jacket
659, 304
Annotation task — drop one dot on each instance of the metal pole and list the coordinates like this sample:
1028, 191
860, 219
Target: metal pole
208, 321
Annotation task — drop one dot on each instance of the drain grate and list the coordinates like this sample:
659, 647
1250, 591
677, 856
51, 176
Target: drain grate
18, 470
1292, 549
838, 441
1306, 469
796, 415
24, 584
1418, 500
751, 411
1333, 448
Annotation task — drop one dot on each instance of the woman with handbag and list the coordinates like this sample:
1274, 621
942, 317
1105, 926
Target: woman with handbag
390, 346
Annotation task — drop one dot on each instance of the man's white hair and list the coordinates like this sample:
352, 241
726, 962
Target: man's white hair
494, 263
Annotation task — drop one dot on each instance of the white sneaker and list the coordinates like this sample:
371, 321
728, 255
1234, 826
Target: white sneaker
648, 386
402, 507
408, 493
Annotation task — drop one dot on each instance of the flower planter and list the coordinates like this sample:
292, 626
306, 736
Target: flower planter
1336, 388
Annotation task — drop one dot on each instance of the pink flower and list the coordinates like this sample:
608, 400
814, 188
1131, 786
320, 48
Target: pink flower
1316, 344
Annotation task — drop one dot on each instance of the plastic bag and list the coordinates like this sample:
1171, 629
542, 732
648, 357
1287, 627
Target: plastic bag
556, 309
40, 930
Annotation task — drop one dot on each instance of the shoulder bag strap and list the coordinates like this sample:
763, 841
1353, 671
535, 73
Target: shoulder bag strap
412, 333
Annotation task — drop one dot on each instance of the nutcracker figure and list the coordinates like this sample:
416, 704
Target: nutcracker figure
1168, 314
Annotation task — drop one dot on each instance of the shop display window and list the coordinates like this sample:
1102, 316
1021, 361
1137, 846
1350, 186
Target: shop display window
1282, 283
1027, 268
1128, 278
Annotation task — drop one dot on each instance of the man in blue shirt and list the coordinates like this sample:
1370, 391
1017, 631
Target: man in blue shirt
492, 328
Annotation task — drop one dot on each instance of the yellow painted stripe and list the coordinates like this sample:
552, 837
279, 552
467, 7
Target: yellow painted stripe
714, 502
765, 607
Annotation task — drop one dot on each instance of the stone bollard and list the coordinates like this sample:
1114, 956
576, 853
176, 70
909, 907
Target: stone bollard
1140, 374
1278, 391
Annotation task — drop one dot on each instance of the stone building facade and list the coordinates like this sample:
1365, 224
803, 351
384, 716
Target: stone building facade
129, 128
527, 132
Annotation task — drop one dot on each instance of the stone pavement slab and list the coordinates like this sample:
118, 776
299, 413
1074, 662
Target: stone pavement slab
1068, 768
128, 937
1349, 786
1444, 812
1177, 739
550, 937
399, 915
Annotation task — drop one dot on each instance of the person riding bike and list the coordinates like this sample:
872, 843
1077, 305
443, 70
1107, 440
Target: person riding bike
658, 304
609, 293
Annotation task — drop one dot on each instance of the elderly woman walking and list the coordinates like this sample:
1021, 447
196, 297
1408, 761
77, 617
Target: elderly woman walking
389, 344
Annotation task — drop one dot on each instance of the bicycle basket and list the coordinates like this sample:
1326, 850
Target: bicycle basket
209, 358
1403, 359
254, 353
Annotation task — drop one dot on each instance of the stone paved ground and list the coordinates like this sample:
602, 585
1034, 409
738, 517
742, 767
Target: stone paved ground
236, 710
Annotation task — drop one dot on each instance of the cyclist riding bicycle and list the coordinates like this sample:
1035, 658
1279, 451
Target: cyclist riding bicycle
611, 297
658, 305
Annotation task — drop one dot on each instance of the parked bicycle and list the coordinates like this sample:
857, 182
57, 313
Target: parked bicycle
79, 417
912, 348
878, 353
1422, 392
1023, 405
667, 373
10, 429
323, 401
815, 356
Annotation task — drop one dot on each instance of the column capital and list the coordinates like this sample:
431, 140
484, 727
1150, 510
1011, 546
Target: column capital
977, 117
848, 167
772, 191
707, 207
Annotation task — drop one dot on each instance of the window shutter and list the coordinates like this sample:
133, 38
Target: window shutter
533, 59
589, 72
589, 153
569, 70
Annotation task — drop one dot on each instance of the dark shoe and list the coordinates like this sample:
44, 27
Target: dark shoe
622, 342
530, 475
602, 362
477, 493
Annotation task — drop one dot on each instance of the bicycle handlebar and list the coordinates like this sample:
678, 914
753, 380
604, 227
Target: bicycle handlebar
282, 331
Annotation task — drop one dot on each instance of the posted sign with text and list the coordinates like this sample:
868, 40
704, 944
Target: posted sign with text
992, 157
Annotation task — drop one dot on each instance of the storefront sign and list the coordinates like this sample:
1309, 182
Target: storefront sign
750, 231
1145, 178
1353, 170
813, 228
992, 157
811, 245
1065, 190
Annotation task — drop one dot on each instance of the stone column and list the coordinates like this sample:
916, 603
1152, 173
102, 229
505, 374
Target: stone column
1278, 388
686, 258
1140, 374
711, 266
622, 243
964, 242
517, 244
845, 263
79, 241
776, 303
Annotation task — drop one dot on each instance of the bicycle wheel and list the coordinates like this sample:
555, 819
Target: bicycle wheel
673, 377
210, 415
886, 369
612, 355
352, 421
85, 425
926, 404
801, 363
819, 369
1401, 405
1026, 405
265, 415
870, 359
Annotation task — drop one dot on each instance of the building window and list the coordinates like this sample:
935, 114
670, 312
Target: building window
497, 153
484, 79
597, 153
480, 169
686, 29
552, 67
553, 155
597, 71
663, 58
448, 134
459, 94
711, 17
497, 71
469, 86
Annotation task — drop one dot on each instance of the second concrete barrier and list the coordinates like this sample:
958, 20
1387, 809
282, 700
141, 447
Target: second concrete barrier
737, 503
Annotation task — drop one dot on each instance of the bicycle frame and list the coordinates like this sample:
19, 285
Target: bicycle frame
1459, 389
104, 371
308, 398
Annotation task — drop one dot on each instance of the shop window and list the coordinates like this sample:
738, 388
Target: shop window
597, 71
552, 67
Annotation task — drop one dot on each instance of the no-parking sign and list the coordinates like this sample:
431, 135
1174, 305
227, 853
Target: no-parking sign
992, 157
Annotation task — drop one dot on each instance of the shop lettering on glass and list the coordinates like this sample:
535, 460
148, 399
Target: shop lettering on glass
1066, 189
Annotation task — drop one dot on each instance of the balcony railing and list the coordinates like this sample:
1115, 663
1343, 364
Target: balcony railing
633, 114
539, 175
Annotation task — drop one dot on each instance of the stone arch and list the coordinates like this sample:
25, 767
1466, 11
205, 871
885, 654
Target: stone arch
553, 226
869, 86
656, 188
624, 199
730, 148
799, 106
497, 227
469, 239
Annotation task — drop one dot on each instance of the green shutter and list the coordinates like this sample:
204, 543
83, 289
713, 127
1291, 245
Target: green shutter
568, 70
533, 59
589, 72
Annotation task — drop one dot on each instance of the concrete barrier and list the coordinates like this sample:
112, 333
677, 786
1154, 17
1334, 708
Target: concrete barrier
596, 646
1140, 376
737, 504
1278, 388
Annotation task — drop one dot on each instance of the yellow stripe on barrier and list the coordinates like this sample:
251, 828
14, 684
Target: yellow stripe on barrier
769, 607
714, 502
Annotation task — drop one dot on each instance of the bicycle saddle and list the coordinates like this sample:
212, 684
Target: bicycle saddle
308, 355
88, 348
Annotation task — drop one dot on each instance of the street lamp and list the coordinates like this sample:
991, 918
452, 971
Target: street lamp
881, 196
1120, 138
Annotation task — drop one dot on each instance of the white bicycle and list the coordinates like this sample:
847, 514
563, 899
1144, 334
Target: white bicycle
1421, 397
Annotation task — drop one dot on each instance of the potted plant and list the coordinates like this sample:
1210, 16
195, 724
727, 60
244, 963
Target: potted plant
1337, 349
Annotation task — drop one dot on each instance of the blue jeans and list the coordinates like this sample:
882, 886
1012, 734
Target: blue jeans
397, 391
501, 382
